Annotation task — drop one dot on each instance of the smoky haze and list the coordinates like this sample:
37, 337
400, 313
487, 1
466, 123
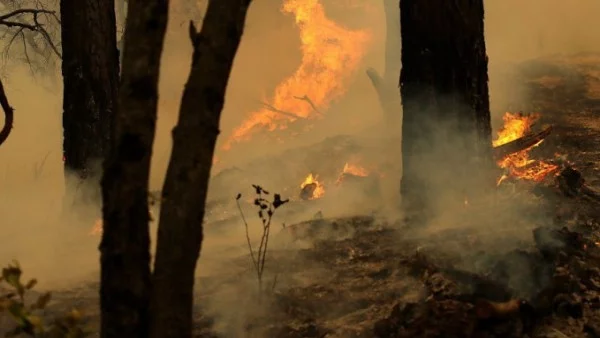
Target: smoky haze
59, 251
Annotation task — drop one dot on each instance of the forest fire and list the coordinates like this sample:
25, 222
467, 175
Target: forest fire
330, 54
519, 165
352, 170
311, 188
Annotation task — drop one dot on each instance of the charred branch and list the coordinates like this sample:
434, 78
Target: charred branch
8, 115
572, 184
310, 102
521, 144
282, 112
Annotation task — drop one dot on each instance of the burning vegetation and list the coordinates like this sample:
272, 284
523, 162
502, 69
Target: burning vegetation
331, 54
519, 165
311, 188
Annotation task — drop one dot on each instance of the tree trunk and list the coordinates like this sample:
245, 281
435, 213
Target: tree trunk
184, 193
90, 77
446, 144
386, 85
125, 246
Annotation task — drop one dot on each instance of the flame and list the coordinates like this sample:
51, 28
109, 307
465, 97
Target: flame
519, 164
319, 188
330, 54
350, 169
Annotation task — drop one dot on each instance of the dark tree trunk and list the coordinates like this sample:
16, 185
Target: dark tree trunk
90, 77
444, 85
125, 246
184, 193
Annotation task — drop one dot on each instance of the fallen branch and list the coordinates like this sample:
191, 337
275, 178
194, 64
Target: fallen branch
521, 143
8, 115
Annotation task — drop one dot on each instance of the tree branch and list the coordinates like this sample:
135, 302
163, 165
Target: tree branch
8, 115
14, 19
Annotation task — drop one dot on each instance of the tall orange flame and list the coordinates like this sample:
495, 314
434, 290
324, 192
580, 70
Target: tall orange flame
330, 54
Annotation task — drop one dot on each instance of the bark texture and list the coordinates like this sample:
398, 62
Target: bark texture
184, 193
90, 75
125, 246
444, 86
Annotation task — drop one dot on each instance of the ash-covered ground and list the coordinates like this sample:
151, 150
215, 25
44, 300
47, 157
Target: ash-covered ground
523, 263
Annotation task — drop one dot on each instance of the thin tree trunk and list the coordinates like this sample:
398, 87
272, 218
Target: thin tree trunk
125, 246
184, 193
446, 144
386, 85
90, 77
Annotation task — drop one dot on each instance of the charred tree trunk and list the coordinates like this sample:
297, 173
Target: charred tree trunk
90, 77
184, 193
125, 246
386, 85
444, 86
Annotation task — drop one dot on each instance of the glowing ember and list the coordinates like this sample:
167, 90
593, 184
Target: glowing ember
519, 164
353, 170
313, 187
97, 228
330, 54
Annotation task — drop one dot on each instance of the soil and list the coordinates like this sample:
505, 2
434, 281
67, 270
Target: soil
527, 267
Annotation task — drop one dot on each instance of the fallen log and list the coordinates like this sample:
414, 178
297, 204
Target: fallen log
572, 184
521, 143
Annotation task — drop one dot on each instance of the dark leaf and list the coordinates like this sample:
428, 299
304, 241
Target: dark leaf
257, 188
238, 196
277, 201
263, 206
270, 212
260, 214
256, 201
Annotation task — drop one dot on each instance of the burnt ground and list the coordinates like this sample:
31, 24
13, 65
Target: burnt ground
483, 274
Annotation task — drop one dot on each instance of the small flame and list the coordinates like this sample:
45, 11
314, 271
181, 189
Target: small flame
354, 170
319, 190
519, 165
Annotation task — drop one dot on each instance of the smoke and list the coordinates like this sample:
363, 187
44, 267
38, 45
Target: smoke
53, 245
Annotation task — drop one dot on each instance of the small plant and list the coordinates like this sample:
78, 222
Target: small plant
266, 210
25, 316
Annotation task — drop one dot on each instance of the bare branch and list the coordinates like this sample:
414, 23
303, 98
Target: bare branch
28, 19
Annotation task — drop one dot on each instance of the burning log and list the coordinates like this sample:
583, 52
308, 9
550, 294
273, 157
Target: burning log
307, 191
521, 143
311, 188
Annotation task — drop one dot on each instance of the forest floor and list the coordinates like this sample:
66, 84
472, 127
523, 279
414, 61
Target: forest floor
527, 264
